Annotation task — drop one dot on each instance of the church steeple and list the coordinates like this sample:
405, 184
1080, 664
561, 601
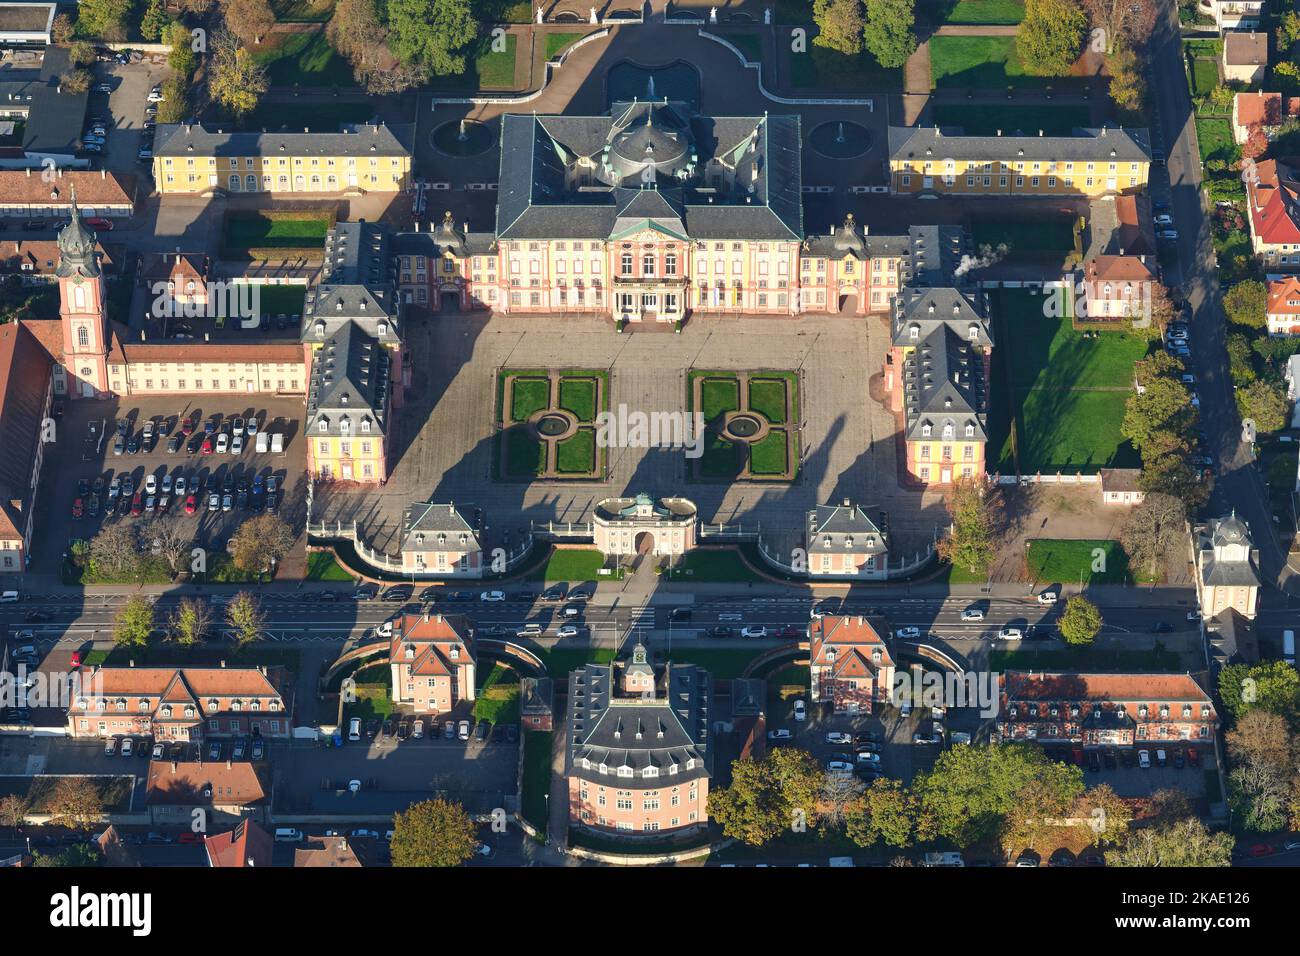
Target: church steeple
77, 248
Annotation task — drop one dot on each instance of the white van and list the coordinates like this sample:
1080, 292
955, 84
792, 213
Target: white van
277, 443
943, 859
287, 835
1288, 647
354, 728
8, 597
260, 443
1047, 597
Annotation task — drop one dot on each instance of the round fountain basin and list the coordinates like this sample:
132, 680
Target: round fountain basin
743, 426
552, 425
463, 138
840, 139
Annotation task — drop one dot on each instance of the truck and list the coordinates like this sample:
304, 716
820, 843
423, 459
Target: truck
1288, 647
260, 443
943, 859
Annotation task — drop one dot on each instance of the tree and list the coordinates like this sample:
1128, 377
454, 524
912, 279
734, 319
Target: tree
105, 19
13, 811
75, 81
1261, 738
432, 34
1153, 531
432, 833
840, 794
840, 25
1258, 796
1121, 21
1159, 413
1031, 819
1081, 621
169, 538
1108, 814
1182, 843
1050, 36
237, 81
154, 23
768, 797
62, 29
972, 540
971, 790
190, 622
890, 35
246, 619
176, 100
250, 20
115, 552
182, 58
1127, 87
1288, 31
79, 856
81, 53
1265, 403
1272, 686
1172, 474
887, 812
260, 542
134, 623
76, 803
1240, 366
1246, 303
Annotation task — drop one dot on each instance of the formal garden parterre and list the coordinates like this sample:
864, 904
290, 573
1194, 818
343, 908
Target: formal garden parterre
752, 424
546, 424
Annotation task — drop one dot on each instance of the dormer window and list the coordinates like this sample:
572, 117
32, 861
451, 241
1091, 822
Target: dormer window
322, 426
121, 703
212, 705
925, 430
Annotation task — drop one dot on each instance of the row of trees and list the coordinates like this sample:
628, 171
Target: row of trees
1009, 795
1255, 361
398, 44
1263, 701
1160, 422
191, 622
883, 28
125, 551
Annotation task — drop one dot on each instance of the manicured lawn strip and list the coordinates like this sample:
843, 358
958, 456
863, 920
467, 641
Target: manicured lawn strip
528, 396
578, 395
527, 454
251, 230
1085, 658
281, 299
536, 777
1047, 234
303, 59
1050, 353
372, 702
984, 63
767, 397
721, 458
963, 575
557, 43
986, 12
768, 456
1062, 561
560, 661
828, 69
722, 662
577, 455
711, 566
977, 120
1214, 138
321, 566
1205, 76
1073, 431
719, 396
497, 69
571, 564
497, 701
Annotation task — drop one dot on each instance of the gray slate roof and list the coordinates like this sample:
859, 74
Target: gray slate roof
433, 519
927, 309
831, 528
356, 139
943, 384
1083, 145
351, 381
355, 285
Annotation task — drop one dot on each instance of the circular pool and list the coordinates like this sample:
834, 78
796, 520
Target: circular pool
552, 425
463, 138
840, 139
743, 426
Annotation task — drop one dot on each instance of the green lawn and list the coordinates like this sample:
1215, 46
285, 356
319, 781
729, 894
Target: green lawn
572, 564
711, 566
721, 458
527, 455
252, 230
497, 700
978, 120
1061, 561
985, 12
281, 299
1204, 76
767, 397
719, 396
828, 69
748, 44
303, 11
1214, 137
372, 702
303, 59
1047, 234
983, 63
528, 396
557, 43
560, 661
577, 455
317, 117
769, 456
1158, 660
578, 395
321, 566
536, 777
485, 68
1049, 382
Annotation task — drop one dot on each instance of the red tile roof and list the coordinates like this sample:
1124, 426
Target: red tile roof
233, 783
248, 845
1284, 296
24, 384
1121, 688
26, 187
1118, 269
1273, 204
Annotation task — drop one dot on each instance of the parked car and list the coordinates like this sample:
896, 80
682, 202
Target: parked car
908, 633
259, 749
1144, 759
492, 596
1048, 597
568, 630
449, 730
800, 710
780, 733
462, 730
110, 746
838, 737
214, 750
839, 766
720, 630
482, 730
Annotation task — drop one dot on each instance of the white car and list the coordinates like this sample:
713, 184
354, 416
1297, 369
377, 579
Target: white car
800, 710
156, 96
781, 733
972, 614
159, 751
754, 630
237, 445
151, 484
908, 633
492, 596
1164, 219
180, 486
868, 757
223, 443
1144, 759
839, 766
568, 630
921, 739
839, 737
1047, 597
1010, 634
1193, 615
128, 745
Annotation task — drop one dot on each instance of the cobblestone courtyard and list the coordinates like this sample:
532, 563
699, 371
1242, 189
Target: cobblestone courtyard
444, 445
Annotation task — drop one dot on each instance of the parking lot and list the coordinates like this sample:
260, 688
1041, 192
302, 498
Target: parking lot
84, 452
124, 109
1119, 767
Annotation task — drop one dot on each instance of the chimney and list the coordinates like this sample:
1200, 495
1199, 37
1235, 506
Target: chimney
222, 664
175, 767
846, 502
103, 174
29, 172
229, 764
16, 504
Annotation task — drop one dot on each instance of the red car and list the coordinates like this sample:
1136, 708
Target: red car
75, 662
137, 504
1261, 849
1193, 756
78, 508
189, 836
104, 225
189, 505
187, 427
206, 449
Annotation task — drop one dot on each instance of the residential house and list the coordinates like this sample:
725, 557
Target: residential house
1105, 710
1120, 486
432, 660
1283, 310
1245, 57
638, 754
1262, 111
843, 542
850, 664
185, 703
47, 117
442, 539
327, 852
448, 269
226, 793
361, 158
180, 280
537, 703
36, 261
1117, 287
1233, 14
246, 846
948, 161
1226, 566
1120, 226
1273, 213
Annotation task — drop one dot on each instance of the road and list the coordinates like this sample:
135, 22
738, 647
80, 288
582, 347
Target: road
1238, 483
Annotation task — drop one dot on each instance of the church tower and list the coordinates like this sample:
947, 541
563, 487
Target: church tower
82, 310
